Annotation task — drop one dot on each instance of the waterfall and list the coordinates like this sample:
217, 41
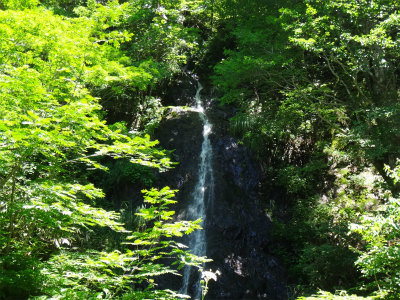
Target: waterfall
202, 195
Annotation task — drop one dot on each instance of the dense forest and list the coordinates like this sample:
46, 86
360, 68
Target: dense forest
315, 89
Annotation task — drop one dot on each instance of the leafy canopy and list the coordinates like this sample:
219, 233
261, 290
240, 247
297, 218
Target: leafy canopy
52, 135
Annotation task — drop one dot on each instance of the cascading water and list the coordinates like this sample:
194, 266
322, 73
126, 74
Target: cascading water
203, 195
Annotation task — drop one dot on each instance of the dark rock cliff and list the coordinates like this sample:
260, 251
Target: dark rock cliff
237, 227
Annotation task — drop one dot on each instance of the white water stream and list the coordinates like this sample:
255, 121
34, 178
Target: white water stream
202, 197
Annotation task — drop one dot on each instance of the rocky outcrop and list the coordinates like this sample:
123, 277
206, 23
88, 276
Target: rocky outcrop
237, 227
238, 230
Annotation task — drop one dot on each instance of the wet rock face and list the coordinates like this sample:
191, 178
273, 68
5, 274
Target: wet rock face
237, 228
182, 133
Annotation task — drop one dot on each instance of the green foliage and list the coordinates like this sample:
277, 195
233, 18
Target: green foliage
314, 246
316, 89
159, 44
380, 260
206, 276
18, 4
122, 172
356, 56
128, 273
19, 275
53, 136
340, 296
51, 128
